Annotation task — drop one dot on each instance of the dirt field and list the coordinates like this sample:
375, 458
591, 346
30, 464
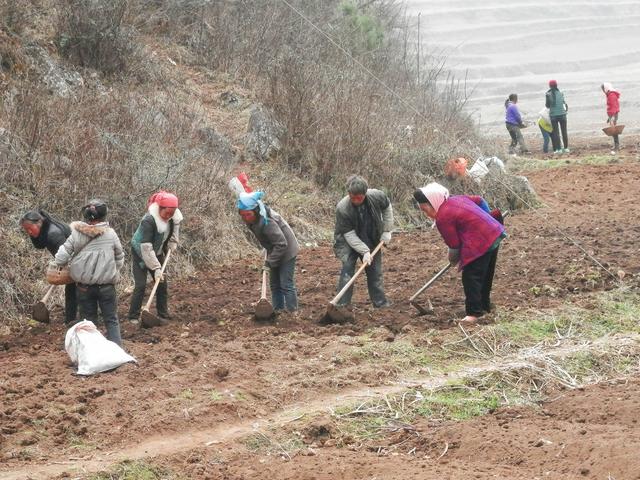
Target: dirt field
213, 375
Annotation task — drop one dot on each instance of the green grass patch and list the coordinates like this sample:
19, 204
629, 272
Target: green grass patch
214, 395
401, 353
129, 470
457, 402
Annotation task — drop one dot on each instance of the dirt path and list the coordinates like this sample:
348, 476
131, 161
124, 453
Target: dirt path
215, 366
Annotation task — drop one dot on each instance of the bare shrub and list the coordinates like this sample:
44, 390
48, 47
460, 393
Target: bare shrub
58, 153
362, 105
93, 33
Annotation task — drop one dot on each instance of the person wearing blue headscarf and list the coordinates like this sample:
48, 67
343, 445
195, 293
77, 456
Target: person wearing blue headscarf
277, 238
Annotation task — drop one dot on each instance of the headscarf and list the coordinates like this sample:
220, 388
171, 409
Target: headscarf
436, 194
607, 87
249, 201
553, 84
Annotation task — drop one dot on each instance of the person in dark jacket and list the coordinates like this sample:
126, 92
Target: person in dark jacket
94, 254
473, 236
613, 109
47, 232
157, 233
276, 237
364, 218
513, 122
558, 108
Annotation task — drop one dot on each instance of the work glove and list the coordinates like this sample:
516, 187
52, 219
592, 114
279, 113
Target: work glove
173, 246
157, 274
266, 267
386, 238
367, 258
454, 255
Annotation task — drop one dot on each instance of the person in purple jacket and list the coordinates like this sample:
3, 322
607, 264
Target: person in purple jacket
473, 236
513, 121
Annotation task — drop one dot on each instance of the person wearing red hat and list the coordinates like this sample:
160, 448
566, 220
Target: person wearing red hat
558, 108
613, 109
157, 233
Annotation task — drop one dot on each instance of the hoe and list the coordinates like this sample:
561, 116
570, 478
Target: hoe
148, 319
39, 310
429, 309
336, 314
264, 310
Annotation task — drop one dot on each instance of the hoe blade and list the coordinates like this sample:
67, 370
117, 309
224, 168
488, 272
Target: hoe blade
264, 310
421, 309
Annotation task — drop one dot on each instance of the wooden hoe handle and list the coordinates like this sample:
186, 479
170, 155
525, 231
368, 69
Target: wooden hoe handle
341, 293
157, 282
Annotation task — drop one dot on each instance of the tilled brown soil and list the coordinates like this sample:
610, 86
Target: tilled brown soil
585, 433
215, 366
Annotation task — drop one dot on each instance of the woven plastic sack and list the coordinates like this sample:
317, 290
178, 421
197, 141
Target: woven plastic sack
91, 351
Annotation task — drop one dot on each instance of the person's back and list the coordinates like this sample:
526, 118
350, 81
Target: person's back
558, 108
94, 254
460, 218
276, 237
100, 254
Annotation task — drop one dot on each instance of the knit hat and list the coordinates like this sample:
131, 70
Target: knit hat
553, 83
251, 201
607, 87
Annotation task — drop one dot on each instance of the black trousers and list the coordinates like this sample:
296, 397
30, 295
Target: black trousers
70, 304
140, 280
90, 297
559, 124
477, 280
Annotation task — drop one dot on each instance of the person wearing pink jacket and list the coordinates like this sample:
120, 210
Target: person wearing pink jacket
473, 235
613, 109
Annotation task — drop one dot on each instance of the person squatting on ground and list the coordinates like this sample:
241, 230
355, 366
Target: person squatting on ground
473, 236
558, 108
544, 122
277, 238
157, 233
613, 109
514, 123
47, 232
94, 254
364, 218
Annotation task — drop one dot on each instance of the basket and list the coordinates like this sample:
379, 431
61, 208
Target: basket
58, 275
613, 130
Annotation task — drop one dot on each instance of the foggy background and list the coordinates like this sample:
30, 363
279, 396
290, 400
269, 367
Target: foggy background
517, 46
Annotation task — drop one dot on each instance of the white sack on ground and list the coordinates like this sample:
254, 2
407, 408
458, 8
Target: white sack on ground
91, 351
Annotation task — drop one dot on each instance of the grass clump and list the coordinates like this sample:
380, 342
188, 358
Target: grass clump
272, 444
458, 402
130, 470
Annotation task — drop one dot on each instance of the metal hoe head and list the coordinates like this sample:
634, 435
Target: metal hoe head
40, 312
264, 310
422, 310
336, 314
149, 320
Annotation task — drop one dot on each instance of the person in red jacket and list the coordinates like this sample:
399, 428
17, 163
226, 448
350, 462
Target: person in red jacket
613, 109
473, 236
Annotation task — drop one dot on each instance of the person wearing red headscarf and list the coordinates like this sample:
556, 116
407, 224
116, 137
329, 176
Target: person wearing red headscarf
613, 109
157, 233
